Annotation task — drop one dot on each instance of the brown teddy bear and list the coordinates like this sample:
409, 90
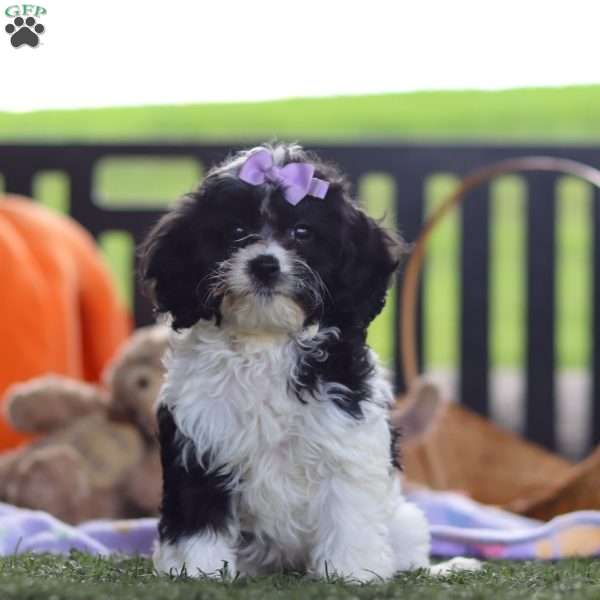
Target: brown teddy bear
96, 455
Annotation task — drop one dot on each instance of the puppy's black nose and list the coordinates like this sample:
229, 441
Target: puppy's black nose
264, 268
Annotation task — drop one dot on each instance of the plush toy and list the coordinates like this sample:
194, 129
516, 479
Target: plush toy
96, 455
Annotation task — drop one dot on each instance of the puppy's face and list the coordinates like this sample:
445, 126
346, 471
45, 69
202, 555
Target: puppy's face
245, 256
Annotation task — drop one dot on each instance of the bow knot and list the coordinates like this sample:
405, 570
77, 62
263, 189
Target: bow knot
295, 178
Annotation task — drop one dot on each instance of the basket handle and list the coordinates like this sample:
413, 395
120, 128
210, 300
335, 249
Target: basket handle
414, 265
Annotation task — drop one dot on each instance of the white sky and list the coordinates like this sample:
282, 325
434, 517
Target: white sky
104, 52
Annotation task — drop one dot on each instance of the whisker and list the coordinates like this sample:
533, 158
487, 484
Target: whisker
217, 277
250, 236
310, 280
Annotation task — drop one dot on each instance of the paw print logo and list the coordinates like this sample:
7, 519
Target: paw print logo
24, 32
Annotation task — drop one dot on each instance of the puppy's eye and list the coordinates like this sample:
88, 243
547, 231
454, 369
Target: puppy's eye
302, 233
238, 232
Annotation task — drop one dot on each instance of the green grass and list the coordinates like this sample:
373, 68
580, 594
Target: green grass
526, 115
571, 114
81, 577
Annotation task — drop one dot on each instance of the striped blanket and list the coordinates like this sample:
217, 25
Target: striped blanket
459, 526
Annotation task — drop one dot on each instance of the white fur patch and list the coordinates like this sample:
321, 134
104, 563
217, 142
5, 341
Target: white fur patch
314, 485
206, 555
459, 563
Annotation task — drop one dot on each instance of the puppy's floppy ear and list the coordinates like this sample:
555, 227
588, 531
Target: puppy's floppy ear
370, 257
172, 268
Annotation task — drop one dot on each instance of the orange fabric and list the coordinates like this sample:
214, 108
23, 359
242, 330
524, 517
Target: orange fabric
59, 312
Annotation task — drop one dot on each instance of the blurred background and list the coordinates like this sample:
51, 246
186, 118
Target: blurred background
435, 88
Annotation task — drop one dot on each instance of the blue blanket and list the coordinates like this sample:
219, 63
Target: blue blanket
459, 526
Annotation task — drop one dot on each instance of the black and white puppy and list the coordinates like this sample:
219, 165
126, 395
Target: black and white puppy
273, 418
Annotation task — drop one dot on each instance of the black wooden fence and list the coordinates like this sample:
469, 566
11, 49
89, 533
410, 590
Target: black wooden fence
408, 166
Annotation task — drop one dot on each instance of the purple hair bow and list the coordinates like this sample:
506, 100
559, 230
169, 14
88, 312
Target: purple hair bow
295, 178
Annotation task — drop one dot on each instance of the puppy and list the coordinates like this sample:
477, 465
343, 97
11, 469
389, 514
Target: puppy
276, 446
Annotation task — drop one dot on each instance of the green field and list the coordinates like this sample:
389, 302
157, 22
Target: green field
561, 114
529, 115
81, 577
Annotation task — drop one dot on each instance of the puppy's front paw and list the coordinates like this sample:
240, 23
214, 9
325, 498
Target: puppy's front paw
459, 563
203, 555
351, 573
358, 564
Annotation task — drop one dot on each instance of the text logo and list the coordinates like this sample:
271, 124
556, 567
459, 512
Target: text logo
25, 30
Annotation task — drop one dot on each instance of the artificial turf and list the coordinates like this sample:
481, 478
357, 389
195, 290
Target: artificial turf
81, 577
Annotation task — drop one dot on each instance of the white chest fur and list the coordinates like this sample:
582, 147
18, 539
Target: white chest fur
232, 398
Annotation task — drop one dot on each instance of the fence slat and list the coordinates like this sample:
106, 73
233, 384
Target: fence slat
596, 320
18, 181
84, 211
409, 218
474, 306
541, 394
